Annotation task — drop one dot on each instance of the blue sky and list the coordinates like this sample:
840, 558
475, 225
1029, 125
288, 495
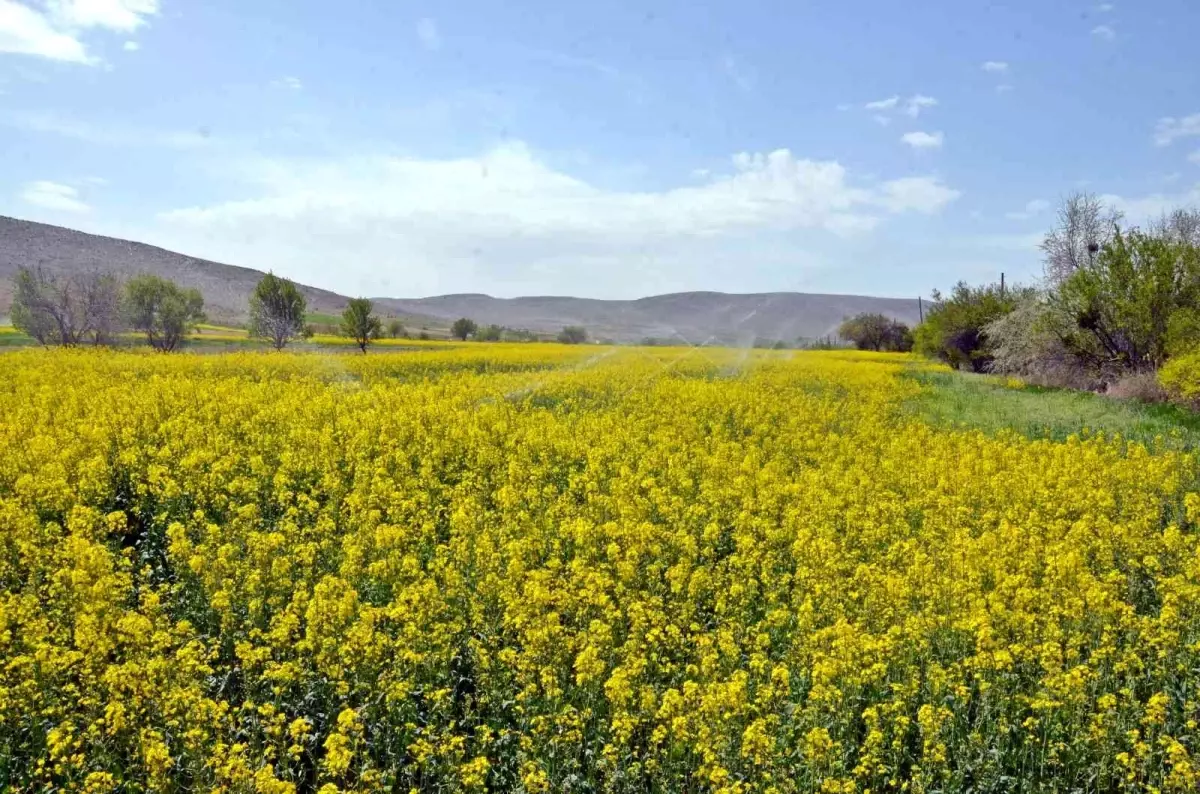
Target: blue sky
609, 149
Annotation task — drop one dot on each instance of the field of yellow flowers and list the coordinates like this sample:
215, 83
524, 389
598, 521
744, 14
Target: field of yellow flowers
575, 569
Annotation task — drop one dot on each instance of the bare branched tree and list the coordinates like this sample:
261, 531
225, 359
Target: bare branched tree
100, 296
66, 310
1085, 223
1180, 226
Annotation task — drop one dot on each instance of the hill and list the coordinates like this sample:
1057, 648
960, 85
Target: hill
226, 288
693, 316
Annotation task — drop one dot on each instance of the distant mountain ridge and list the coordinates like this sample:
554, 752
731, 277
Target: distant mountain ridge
696, 317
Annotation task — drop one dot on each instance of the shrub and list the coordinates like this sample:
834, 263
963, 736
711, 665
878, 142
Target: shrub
1141, 386
491, 333
1181, 378
954, 328
1029, 342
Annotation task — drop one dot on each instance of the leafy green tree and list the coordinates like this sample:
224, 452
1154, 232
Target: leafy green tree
954, 327
396, 329
277, 310
491, 333
162, 310
1137, 297
871, 331
573, 335
463, 328
360, 324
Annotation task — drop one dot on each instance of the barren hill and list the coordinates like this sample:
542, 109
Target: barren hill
693, 316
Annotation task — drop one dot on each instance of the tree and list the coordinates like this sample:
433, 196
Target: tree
277, 309
1084, 225
396, 329
463, 328
57, 310
573, 335
1123, 303
954, 327
162, 310
491, 333
870, 331
360, 324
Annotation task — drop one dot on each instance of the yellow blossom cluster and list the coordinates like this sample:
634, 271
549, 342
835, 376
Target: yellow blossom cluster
542, 568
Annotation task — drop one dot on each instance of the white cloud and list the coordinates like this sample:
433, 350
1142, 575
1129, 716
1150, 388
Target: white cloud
1032, 209
915, 104
1104, 8
131, 46
24, 31
119, 15
1141, 209
911, 107
104, 133
1169, 129
881, 120
996, 67
55, 32
292, 83
1104, 32
924, 140
505, 217
883, 104
53, 196
427, 32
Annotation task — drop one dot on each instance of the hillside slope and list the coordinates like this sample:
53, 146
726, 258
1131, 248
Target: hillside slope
226, 288
697, 317
693, 316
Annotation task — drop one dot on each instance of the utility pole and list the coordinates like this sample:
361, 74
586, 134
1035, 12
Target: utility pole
1001, 285
920, 309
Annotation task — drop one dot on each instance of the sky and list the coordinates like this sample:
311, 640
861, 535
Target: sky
611, 150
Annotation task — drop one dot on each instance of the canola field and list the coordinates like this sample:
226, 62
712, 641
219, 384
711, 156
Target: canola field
567, 569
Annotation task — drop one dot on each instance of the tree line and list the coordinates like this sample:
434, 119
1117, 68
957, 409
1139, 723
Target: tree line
1115, 303
94, 308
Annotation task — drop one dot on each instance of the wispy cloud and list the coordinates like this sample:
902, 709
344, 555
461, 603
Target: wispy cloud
883, 109
996, 67
131, 46
53, 196
427, 33
1105, 8
290, 83
1170, 129
102, 133
924, 140
1032, 209
1194, 157
54, 30
883, 104
1104, 32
